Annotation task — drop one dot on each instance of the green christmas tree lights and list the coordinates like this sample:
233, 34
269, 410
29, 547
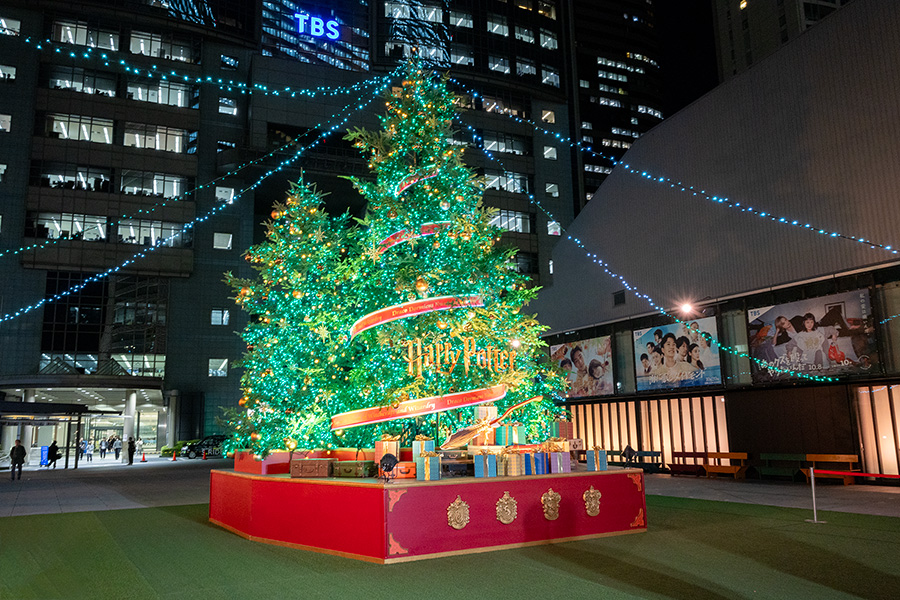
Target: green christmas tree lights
402, 323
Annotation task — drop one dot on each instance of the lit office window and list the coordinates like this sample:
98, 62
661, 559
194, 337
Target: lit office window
222, 241
525, 67
524, 34
547, 8
525, 4
163, 92
497, 24
7, 73
511, 220
584, 83
3, 172
587, 139
10, 26
5, 122
507, 143
225, 194
548, 116
161, 46
462, 55
550, 266
218, 367
587, 125
459, 18
156, 137
552, 189
548, 40
397, 10
550, 152
516, 183
80, 127
499, 64
227, 106
554, 228
550, 76
229, 63
148, 183
220, 316
81, 80
81, 34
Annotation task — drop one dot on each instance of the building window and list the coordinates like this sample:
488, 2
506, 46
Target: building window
497, 24
499, 64
155, 137
511, 220
552, 189
525, 4
526, 263
550, 266
2, 172
547, 8
462, 55
80, 34
502, 106
229, 63
548, 40
397, 10
7, 73
148, 183
619, 298
524, 34
516, 183
225, 194
161, 46
584, 83
587, 139
71, 177
5, 122
525, 67
10, 26
164, 92
218, 367
227, 106
459, 18
81, 80
550, 152
548, 116
587, 125
78, 127
222, 241
507, 143
650, 111
550, 76
220, 316
554, 228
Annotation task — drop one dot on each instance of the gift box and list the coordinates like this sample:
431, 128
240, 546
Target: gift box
555, 445
476, 450
508, 435
485, 465
562, 429
560, 462
576, 444
596, 459
386, 445
536, 463
513, 465
404, 470
353, 468
312, 467
421, 445
428, 468
488, 437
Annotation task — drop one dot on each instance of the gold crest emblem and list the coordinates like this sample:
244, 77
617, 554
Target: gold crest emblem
458, 514
550, 502
506, 509
592, 502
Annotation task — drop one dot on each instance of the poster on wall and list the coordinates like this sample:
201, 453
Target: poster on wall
677, 355
828, 336
588, 364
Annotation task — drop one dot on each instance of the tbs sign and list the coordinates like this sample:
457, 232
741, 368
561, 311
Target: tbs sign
316, 27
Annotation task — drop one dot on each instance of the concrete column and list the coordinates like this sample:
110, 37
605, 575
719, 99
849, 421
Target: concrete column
129, 417
27, 432
171, 412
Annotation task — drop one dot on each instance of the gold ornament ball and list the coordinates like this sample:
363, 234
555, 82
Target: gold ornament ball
445, 205
297, 294
277, 214
255, 436
421, 285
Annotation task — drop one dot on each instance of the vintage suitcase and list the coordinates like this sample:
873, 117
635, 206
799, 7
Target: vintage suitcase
312, 467
353, 468
457, 467
404, 470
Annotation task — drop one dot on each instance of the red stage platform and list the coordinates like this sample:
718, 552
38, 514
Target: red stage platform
408, 520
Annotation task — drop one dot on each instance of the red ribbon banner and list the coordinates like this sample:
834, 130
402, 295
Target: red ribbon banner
415, 408
412, 309
403, 235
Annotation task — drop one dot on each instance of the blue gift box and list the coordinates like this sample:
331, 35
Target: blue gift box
485, 465
428, 468
596, 460
420, 446
560, 462
509, 435
536, 463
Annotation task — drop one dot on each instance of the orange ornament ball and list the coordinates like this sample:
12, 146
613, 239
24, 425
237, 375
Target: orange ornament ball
255, 436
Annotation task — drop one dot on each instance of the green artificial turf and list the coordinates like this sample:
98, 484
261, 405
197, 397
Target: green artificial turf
693, 549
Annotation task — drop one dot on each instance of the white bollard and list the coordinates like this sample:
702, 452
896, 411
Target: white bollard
812, 484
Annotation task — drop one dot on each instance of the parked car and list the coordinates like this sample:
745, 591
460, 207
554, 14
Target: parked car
211, 444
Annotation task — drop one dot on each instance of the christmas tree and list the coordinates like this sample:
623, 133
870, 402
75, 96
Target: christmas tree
414, 313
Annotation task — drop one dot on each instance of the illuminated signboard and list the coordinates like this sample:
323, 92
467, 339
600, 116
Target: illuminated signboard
317, 27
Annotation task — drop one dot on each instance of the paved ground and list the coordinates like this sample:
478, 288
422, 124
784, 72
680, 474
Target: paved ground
106, 485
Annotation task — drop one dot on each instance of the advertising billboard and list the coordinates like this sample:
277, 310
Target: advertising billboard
588, 364
827, 336
677, 355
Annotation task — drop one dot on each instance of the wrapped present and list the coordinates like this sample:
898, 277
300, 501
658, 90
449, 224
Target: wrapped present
513, 464
312, 467
508, 435
485, 464
555, 445
562, 428
596, 459
486, 411
404, 470
421, 444
354, 468
428, 466
560, 462
388, 444
474, 450
536, 463
576, 444
485, 414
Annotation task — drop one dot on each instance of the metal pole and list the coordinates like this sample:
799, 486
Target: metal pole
812, 483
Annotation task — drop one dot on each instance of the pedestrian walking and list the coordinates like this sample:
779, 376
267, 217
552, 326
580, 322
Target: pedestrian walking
117, 447
89, 451
53, 454
103, 446
17, 456
131, 449
140, 445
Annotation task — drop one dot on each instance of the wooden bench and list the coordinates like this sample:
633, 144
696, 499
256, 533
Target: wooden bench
681, 466
723, 462
780, 465
832, 462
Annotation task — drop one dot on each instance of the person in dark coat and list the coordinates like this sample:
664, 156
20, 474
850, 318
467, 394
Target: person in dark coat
53, 454
131, 450
17, 455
